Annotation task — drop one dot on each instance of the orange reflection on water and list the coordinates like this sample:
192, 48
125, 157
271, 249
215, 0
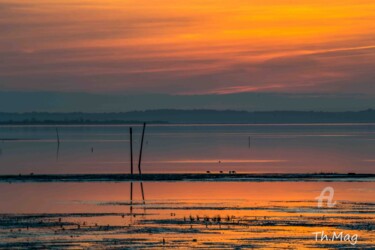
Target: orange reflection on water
214, 214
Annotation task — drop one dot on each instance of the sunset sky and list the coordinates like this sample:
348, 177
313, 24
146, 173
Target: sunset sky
188, 48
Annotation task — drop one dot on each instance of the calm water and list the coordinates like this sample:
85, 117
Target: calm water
252, 215
185, 214
189, 148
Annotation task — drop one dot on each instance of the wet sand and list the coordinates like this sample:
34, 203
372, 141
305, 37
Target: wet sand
264, 227
198, 215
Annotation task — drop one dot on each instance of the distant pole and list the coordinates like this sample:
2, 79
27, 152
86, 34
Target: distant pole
57, 137
58, 144
249, 142
131, 150
140, 152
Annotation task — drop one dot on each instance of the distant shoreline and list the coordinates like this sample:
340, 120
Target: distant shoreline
200, 116
80, 123
186, 124
213, 177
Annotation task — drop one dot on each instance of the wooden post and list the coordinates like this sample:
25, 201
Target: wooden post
58, 144
58, 137
131, 150
140, 152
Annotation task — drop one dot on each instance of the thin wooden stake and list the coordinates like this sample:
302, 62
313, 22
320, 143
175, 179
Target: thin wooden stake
58, 137
140, 152
131, 150
58, 144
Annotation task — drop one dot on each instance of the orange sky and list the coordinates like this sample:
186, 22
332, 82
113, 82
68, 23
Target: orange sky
188, 47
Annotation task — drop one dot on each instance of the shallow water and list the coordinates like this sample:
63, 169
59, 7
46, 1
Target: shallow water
190, 148
273, 215
258, 215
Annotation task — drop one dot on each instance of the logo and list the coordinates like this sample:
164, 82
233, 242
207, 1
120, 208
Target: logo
324, 196
352, 239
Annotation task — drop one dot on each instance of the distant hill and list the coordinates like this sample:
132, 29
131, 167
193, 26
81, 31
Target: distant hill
189, 116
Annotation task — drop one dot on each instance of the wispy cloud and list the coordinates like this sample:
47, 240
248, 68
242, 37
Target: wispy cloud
188, 47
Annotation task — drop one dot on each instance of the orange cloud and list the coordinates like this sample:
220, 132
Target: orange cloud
186, 47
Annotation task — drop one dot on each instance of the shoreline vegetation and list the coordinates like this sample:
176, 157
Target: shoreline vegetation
191, 177
171, 116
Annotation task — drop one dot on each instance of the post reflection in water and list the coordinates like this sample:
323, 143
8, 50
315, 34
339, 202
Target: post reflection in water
131, 199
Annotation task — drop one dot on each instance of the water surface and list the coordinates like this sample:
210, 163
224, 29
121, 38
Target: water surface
252, 215
307, 148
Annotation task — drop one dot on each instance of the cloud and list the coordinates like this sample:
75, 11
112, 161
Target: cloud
187, 48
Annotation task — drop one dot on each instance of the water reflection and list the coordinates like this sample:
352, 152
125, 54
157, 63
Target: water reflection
131, 197
199, 148
203, 215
